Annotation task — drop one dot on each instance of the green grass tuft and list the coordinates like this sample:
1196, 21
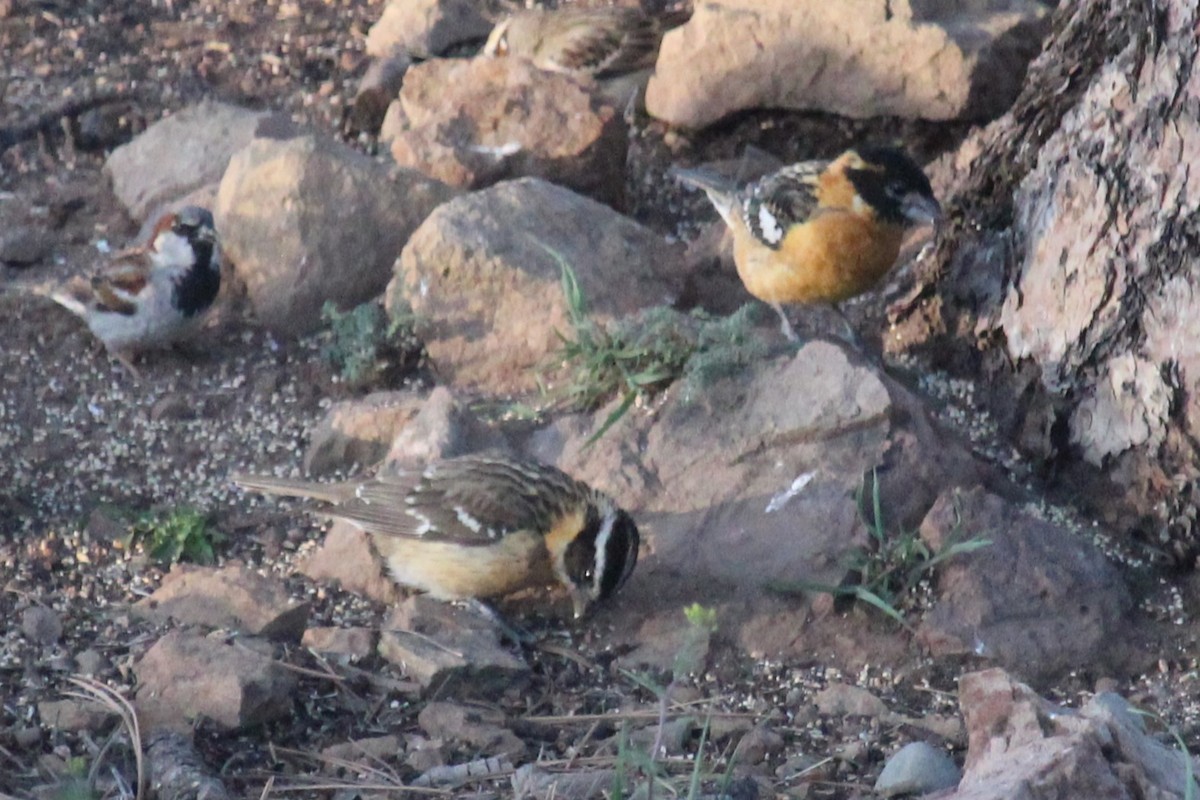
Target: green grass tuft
639, 356
886, 573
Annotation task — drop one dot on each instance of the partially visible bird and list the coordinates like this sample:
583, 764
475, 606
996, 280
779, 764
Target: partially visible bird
821, 231
152, 295
601, 42
482, 526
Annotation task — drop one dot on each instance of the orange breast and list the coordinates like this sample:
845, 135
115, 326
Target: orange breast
834, 256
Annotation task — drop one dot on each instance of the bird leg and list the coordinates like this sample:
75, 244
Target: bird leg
851, 335
519, 636
786, 325
126, 360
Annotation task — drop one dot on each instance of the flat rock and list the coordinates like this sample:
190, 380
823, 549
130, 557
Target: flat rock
306, 221
71, 714
443, 428
917, 768
184, 677
347, 558
1039, 600
351, 642
25, 246
41, 625
764, 463
449, 649
840, 700
864, 58
483, 729
1024, 746
426, 28
479, 271
183, 152
367, 753
473, 123
232, 597
359, 432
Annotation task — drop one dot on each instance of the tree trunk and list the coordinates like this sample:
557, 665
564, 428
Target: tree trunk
1070, 276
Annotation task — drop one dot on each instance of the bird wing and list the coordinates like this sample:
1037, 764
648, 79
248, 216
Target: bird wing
787, 197
470, 501
607, 41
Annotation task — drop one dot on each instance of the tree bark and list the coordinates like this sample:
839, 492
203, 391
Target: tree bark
1071, 274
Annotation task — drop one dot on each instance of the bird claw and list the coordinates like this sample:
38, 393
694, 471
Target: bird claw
516, 634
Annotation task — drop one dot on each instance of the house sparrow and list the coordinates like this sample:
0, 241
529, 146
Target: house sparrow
601, 42
152, 295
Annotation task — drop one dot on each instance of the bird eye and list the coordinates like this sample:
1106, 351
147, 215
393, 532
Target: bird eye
587, 574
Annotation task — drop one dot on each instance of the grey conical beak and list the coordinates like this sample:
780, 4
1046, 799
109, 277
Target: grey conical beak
582, 602
921, 209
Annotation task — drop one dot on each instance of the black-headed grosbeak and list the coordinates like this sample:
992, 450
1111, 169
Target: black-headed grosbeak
821, 231
482, 526
602, 42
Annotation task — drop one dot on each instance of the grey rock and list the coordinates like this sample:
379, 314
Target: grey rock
443, 428
480, 269
1039, 600
426, 28
72, 714
25, 246
482, 729
359, 432
911, 58
41, 625
229, 597
351, 642
307, 222
347, 558
473, 123
840, 699
449, 649
182, 153
917, 768
185, 676
1024, 746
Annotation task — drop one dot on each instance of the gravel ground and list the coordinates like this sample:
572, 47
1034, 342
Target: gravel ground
78, 434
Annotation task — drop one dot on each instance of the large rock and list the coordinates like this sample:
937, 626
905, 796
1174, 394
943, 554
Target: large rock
426, 28
307, 221
475, 122
1022, 746
1039, 600
185, 677
231, 597
764, 465
480, 271
859, 58
182, 153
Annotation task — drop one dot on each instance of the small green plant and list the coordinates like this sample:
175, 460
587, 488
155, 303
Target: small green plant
182, 535
640, 355
886, 572
367, 348
689, 660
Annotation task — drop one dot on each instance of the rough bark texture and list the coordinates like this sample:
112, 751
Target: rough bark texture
1071, 267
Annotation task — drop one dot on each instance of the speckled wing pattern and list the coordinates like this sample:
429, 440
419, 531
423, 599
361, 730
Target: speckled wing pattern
472, 500
607, 41
778, 201
113, 287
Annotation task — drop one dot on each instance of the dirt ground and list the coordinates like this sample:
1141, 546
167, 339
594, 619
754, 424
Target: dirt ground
83, 443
